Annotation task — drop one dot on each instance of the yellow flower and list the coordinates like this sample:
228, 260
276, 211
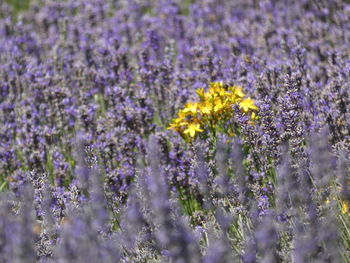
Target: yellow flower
248, 104
237, 91
183, 115
217, 85
214, 108
201, 93
174, 126
191, 107
217, 89
177, 124
223, 93
192, 129
345, 208
212, 93
218, 106
232, 98
254, 116
205, 108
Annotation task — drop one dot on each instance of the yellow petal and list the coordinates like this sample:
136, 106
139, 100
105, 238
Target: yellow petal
247, 104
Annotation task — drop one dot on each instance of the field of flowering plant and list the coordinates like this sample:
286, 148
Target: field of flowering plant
185, 131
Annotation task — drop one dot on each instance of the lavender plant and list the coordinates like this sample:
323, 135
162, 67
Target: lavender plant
255, 165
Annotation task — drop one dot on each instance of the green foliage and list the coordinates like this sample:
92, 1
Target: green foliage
189, 202
19, 5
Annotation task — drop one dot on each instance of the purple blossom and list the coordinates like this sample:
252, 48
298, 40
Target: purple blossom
90, 172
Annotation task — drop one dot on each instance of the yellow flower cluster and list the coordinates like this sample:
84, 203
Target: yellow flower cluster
214, 107
345, 207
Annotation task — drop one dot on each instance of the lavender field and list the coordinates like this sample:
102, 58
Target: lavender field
185, 131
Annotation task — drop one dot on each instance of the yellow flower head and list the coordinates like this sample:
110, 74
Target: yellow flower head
345, 207
237, 91
191, 108
253, 116
192, 129
217, 89
201, 93
177, 124
218, 85
248, 104
219, 105
205, 108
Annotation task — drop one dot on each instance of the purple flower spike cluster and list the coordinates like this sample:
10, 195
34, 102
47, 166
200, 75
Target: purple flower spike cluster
89, 171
